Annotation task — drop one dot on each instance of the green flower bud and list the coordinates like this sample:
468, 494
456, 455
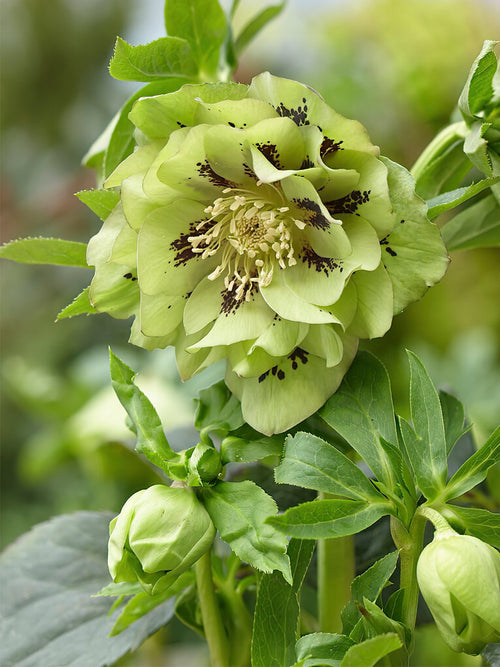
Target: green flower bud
159, 534
258, 225
459, 577
205, 462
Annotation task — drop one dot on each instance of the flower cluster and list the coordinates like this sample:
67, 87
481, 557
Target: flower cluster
257, 225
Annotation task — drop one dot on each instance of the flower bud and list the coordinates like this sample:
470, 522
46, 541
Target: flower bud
205, 462
160, 533
459, 577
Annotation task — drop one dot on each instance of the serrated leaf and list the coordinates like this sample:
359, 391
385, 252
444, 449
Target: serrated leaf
453, 419
478, 226
369, 652
328, 518
312, 463
478, 89
322, 648
427, 454
448, 200
361, 410
479, 523
45, 251
239, 511
203, 24
218, 411
167, 57
101, 202
475, 469
79, 306
151, 439
48, 614
255, 26
278, 608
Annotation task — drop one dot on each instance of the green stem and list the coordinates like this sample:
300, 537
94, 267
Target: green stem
336, 570
210, 612
437, 146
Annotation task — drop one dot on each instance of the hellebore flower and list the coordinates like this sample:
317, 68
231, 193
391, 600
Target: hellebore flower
459, 577
159, 533
259, 226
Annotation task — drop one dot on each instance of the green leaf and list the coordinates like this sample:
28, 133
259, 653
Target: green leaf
151, 440
45, 251
79, 306
369, 652
480, 523
255, 25
102, 202
474, 470
203, 24
278, 608
476, 148
49, 617
368, 585
329, 518
322, 648
478, 89
312, 463
187, 609
478, 226
167, 57
446, 171
239, 511
240, 450
377, 622
121, 589
362, 410
427, 453
448, 200
218, 411
453, 419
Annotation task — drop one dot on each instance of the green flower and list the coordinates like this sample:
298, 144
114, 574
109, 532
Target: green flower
459, 577
259, 226
159, 534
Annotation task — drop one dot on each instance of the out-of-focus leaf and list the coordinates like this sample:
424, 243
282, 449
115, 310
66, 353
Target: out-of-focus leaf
478, 226
46, 251
255, 25
448, 200
478, 89
453, 419
164, 58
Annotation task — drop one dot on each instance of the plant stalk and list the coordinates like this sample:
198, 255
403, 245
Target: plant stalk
210, 612
438, 145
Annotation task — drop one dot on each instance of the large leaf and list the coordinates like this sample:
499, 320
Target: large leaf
167, 57
478, 226
449, 200
312, 463
45, 251
474, 470
329, 518
369, 652
278, 608
480, 523
256, 24
362, 410
478, 89
48, 616
239, 511
203, 24
427, 452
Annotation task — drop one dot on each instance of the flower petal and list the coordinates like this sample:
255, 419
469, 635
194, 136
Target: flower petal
136, 163
323, 341
241, 113
281, 337
161, 314
373, 316
203, 305
149, 342
113, 290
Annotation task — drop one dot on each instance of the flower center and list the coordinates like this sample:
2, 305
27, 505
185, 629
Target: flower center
250, 234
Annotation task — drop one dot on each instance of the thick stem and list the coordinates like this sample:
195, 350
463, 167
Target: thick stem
438, 145
336, 570
210, 612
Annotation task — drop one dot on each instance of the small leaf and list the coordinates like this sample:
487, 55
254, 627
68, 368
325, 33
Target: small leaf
255, 25
45, 251
102, 202
478, 226
49, 617
369, 652
329, 518
239, 450
453, 419
474, 470
312, 463
218, 410
477, 150
164, 58
278, 608
119, 590
427, 454
479, 523
239, 511
151, 440
322, 648
361, 410
79, 306
448, 200
478, 89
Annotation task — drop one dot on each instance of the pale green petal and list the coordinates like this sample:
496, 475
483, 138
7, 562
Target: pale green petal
248, 363
281, 337
323, 341
136, 205
165, 260
365, 245
345, 308
290, 392
203, 305
373, 316
100, 246
316, 279
189, 363
149, 342
154, 188
414, 254
264, 170
280, 140
228, 154
113, 290
125, 247
241, 114
306, 107
136, 163
288, 305
161, 314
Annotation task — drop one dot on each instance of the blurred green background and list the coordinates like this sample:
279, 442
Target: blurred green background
396, 65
